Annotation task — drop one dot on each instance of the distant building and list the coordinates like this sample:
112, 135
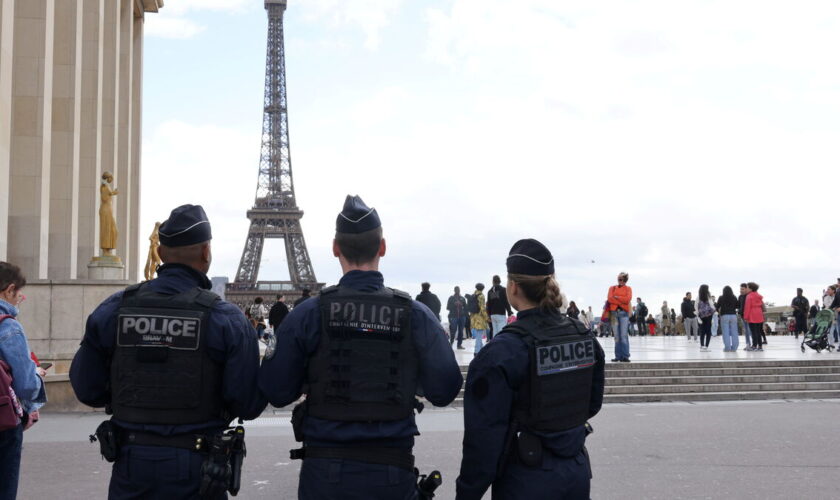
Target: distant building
219, 284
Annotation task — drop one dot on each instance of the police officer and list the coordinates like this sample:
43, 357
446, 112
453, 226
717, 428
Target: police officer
174, 364
530, 392
360, 352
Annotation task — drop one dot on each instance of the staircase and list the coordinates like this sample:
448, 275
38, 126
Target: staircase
717, 381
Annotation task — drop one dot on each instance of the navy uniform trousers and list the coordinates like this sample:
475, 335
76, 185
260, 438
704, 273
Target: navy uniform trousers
156, 472
322, 478
559, 478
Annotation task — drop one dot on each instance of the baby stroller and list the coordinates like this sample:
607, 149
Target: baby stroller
817, 337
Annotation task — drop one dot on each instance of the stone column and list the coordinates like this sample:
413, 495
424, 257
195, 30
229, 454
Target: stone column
7, 17
136, 240
122, 140
91, 134
30, 138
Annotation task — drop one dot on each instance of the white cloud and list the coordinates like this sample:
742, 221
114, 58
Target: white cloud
371, 16
171, 27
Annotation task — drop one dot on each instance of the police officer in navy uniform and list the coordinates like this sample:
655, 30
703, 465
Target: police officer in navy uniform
530, 392
360, 352
174, 364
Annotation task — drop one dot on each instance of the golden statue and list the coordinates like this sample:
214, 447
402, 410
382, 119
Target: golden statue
107, 224
153, 260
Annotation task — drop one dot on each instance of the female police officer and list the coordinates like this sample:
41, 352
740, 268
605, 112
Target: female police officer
530, 392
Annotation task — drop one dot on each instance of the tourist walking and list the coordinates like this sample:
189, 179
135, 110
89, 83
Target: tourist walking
479, 321
727, 307
497, 307
812, 313
618, 300
831, 301
800, 313
304, 295
754, 315
428, 299
26, 394
573, 311
689, 315
641, 316
666, 318
259, 311
278, 313
651, 325
746, 326
457, 307
705, 310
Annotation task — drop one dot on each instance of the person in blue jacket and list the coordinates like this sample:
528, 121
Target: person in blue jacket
360, 352
174, 365
27, 392
530, 392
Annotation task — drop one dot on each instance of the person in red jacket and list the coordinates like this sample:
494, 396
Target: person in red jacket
618, 298
754, 315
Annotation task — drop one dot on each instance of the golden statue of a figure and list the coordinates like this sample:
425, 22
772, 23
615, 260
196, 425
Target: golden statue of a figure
153, 260
107, 223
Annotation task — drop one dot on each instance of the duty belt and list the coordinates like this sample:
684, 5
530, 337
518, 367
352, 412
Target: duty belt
192, 442
397, 457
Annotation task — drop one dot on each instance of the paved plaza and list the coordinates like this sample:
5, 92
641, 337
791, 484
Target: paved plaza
749, 450
660, 348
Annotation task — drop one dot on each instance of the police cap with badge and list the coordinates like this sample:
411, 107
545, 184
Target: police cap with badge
562, 354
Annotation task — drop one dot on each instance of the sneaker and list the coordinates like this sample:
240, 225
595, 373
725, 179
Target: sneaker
759, 349
625, 360
614, 360
461, 347
749, 348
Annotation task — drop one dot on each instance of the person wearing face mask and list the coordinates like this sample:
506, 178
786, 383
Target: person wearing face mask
26, 393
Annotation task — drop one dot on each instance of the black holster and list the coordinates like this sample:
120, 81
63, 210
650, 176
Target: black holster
529, 449
108, 437
298, 414
222, 467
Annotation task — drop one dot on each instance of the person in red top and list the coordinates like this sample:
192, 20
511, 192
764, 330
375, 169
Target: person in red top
754, 315
618, 298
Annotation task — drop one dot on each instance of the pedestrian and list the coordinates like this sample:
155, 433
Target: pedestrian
428, 299
812, 313
679, 326
674, 321
457, 307
689, 314
278, 312
754, 315
573, 312
705, 310
831, 301
360, 377
605, 327
727, 307
21, 400
171, 397
479, 321
651, 325
304, 294
525, 416
618, 298
258, 313
742, 297
641, 316
800, 313
666, 318
497, 307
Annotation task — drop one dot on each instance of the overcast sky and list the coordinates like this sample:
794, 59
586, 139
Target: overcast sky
682, 142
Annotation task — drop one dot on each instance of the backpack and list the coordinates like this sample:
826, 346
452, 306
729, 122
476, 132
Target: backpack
643, 311
472, 304
705, 309
10, 410
493, 294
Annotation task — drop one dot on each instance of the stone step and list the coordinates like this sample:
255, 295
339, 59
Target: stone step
827, 360
613, 374
748, 387
719, 396
723, 379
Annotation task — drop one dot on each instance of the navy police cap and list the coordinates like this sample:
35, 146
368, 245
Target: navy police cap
356, 217
186, 225
531, 258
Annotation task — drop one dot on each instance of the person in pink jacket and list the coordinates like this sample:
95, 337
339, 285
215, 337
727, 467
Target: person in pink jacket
754, 315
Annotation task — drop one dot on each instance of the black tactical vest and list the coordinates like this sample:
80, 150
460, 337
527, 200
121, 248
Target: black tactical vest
366, 366
161, 372
555, 396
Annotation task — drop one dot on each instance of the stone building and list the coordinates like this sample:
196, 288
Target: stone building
70, 109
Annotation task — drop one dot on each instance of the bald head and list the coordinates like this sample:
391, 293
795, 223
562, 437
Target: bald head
197, 256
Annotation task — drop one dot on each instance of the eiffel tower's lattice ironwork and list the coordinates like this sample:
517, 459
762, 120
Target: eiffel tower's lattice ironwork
275, 213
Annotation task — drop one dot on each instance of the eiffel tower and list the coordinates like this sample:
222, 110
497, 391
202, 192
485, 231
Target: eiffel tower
275, 213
